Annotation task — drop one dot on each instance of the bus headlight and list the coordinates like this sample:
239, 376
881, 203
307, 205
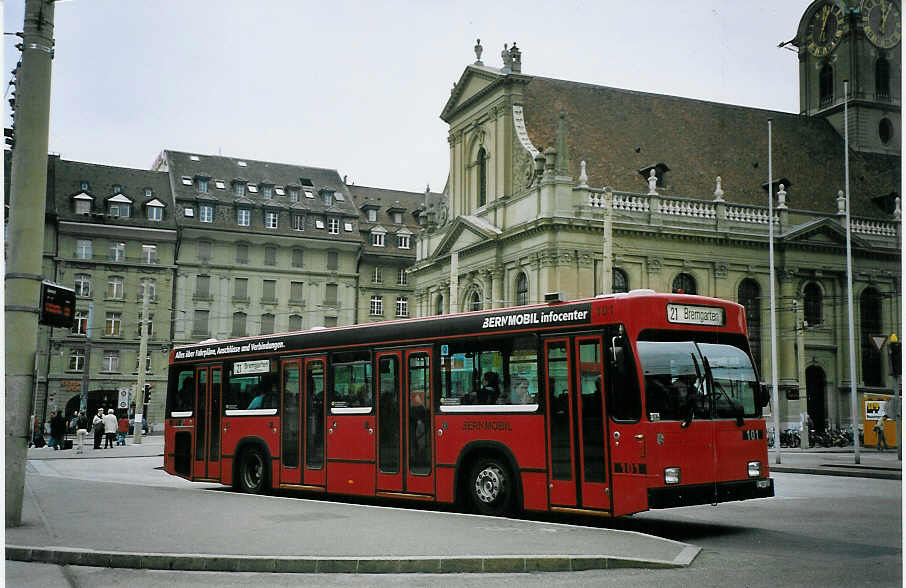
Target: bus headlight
671, 475
754, 469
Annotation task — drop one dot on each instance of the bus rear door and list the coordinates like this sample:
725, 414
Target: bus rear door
577, 448
419, 476
313, 473
207, 422
389, 421
291, 423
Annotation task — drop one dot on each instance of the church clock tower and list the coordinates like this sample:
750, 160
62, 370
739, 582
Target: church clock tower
858, 41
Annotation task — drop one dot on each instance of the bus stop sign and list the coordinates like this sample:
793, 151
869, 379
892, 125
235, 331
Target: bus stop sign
57, 305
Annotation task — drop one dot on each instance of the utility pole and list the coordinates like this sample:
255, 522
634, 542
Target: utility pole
142, 365
86, 362
28, 186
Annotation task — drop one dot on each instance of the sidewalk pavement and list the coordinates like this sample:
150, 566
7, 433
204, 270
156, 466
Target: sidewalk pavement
170, 525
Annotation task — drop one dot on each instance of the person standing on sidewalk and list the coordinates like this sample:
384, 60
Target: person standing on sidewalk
879, 429
122, 429
109, 428
81, 431
58, 429
97, 427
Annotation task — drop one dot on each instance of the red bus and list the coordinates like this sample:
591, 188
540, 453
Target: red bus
612, 405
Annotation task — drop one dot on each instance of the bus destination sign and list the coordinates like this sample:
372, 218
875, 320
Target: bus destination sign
539, 317
687, 314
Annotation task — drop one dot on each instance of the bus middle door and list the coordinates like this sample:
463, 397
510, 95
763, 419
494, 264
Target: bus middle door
351, 422
206, 464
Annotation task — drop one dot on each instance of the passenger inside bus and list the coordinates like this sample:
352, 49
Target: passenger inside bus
490, 388
184, 395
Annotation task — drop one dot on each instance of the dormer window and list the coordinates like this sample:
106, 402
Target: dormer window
202, 184
239, 188
186, 181
294, 194
84, 186
149, 192
319, 224
119, 207
117, 188
306, 182
339, 196
219, 184
398, 218
372, 215
333, 225
279, 190
402, 241
253, 188
660, 172
309, 194
82, 203
377, 236
155, 210
267, 191
327, 197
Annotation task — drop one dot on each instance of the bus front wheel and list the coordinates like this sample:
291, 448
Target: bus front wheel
252, 471
491, 487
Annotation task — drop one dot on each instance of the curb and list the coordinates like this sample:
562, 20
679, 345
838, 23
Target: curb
896, 475
343, 565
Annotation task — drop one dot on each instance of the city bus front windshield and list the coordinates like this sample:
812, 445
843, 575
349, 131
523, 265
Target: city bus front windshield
685, 381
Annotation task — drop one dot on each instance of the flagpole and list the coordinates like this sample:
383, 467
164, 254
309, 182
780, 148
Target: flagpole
775, 395
853, 405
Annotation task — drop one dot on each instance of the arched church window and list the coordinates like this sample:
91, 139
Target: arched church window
475, 300
885, 130
870, 324
813, 304
620, 281
826, 85
439, 304
482, 177
882, 78
749, 295
521, 289
684, 284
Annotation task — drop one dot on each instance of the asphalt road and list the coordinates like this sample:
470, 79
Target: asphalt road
817, 531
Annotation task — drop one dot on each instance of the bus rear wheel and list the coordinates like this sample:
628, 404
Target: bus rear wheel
252, 471
491, 487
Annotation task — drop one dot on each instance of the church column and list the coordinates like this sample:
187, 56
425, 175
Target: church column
788, 377
497, 294
454, 282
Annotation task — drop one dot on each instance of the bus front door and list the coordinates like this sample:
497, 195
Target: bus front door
389, 422
313, 472
577, 449
206, 463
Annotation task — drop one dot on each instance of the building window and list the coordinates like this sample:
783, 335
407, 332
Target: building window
298, 222
327, 197
298, 257
118, 209
84, 186
149, 325
155, 213
242, 253
117, 251
684, 284
200, 323
253, 189
402, 241
294, 194
149, 192
149, 285
83, 285
279, 190
398, 218
333, 226
475, 300
270, 219
309, 194
749, 296
347, 227
111, 361
147, 362
882, 78
885, 130
77, 360
402, 278
267, 324
82, 206
295, 322
239, 189
270, 255
372, 215
439, 305
204, 250
377, 305
269, 290
377, 239
330, 294
188, 212
870, 325
482, 177
83, 248
113, 324
80, 323
826, 85
332, 260
202, 185
117, 189
402, 306
813, 303
238, 324
267, 191
115, 287
296, 291
149, 253
206, 213
521, 289
377, 275
203, 287
186, 181
243, 217
220, 184
619, 281
241, 289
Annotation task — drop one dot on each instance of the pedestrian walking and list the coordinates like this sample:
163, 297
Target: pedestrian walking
109, 428
97, 427
81, 431
48, 432
58, 429
121, 429
879, 429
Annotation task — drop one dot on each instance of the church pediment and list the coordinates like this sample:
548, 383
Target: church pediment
464, 232
474, 81
821, 232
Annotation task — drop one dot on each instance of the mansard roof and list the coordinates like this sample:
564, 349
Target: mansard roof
618, 132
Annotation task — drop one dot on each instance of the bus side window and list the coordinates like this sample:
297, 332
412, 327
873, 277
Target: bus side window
624, 400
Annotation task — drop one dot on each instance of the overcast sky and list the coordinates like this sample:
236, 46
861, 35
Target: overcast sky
359, 86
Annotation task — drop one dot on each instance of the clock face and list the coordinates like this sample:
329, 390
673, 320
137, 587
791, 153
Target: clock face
825, 29
881, 22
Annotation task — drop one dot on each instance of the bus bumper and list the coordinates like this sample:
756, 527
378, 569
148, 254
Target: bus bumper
674, 496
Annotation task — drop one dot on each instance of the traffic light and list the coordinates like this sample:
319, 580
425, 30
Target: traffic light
896, 357
146, 397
